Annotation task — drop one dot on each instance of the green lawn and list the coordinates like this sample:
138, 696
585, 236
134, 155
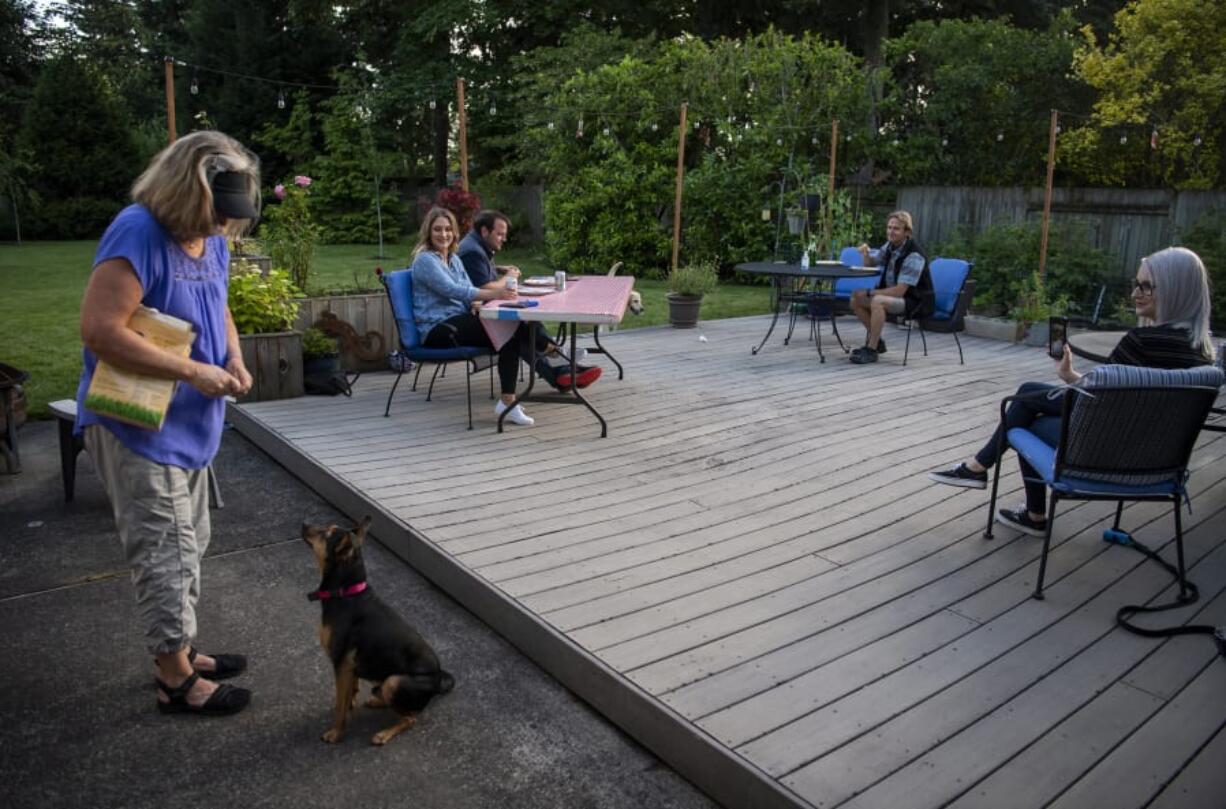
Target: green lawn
41, 284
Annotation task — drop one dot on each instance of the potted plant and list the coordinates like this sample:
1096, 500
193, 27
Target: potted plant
264, 308
319, 353
1035, 308
686, 287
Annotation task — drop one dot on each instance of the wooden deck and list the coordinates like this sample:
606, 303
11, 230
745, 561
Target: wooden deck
753, 576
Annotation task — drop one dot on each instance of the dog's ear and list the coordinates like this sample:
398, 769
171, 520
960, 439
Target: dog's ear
359, 533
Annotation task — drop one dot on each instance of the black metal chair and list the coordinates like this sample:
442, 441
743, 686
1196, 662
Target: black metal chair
1127, 433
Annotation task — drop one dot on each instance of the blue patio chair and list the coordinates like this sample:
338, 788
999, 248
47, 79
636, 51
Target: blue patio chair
399, 286
952, 290
1126, 433
840, 296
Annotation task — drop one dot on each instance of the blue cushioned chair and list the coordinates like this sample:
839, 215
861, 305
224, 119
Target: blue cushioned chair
399, 286
844, 287
952, 289
1127, 433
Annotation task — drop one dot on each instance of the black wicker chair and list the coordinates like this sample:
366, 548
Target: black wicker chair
1127, 434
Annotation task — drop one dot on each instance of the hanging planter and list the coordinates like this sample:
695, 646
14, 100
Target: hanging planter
796, 221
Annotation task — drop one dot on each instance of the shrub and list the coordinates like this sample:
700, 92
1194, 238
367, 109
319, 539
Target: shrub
1005, 256
462, 204
261, 304
290, 231
1208, 240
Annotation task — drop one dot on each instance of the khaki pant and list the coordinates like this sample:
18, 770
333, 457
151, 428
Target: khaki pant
162, 513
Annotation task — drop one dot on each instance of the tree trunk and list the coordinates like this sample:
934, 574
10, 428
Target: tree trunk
876, 31
442, 128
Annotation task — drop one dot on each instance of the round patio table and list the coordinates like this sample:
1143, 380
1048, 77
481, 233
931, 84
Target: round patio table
787, 279
1095, 346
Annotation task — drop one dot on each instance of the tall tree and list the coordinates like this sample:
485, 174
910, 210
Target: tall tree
83, 172
1159, 114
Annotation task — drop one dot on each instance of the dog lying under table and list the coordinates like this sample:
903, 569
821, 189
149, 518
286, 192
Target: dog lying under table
366, 640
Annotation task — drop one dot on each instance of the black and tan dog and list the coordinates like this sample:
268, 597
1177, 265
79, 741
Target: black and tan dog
366, 640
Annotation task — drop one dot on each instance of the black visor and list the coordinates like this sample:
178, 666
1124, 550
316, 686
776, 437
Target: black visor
230, 198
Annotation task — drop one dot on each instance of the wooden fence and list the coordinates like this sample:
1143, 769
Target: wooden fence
1128, 224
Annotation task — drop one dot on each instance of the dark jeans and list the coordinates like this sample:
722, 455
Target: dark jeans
470, 332
1041, 416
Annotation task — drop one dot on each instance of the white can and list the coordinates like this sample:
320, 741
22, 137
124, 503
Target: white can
559, 280
512, 283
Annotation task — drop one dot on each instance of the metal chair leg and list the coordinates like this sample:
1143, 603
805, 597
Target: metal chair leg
959, 344
1183, 582
440, 367
392, 393
907, 350
1051, 519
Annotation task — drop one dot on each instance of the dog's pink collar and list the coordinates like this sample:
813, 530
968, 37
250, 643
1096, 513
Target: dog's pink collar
344, 592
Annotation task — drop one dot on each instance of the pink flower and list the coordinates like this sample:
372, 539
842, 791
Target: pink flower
302, 181
279, 191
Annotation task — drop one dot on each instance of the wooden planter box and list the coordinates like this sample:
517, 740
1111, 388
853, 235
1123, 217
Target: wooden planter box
364, 325
275, 363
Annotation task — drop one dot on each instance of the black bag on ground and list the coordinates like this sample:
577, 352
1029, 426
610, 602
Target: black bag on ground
329, 383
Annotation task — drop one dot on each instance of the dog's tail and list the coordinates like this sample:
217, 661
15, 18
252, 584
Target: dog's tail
445, 682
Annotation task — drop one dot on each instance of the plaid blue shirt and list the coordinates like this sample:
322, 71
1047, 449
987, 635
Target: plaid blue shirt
440, 290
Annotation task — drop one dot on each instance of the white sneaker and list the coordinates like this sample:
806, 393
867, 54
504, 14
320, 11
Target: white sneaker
516, 416
558, 359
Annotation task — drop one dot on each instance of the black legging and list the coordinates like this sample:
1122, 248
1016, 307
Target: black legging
468, 331
1039, 414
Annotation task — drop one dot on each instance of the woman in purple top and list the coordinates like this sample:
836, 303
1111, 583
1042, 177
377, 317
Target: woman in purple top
167, 251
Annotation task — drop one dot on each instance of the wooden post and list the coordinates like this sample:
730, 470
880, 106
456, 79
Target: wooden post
680, 182
834, 149
170, 99
1051, 170
459, 90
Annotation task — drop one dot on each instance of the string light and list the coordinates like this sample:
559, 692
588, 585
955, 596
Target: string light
1000, 136
549, 126
195, 88
944, 141
579, 130
606, 131
433, 104
654, 126
1123, 139
1196, 141
281, 100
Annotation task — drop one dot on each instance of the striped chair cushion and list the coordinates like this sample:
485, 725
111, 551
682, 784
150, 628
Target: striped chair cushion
1133, 376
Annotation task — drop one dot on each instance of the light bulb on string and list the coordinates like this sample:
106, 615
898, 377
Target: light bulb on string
1196, 141
654, 127
1000, 136
433, 104
195, 88
813, 140
606, 131
944, 141
894, 142
280, 99
778, 141
549, 126
695, 125
1123, 140
579, 129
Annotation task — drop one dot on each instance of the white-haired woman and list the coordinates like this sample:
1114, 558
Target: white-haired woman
167, 251
1171, 296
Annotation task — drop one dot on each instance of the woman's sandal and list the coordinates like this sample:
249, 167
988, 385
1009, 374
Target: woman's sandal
227, 699
226, 666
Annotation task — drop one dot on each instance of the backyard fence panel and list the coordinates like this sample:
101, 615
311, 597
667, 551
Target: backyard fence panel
1127, 223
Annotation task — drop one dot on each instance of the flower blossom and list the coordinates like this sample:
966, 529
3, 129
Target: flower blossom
279, 191
302, 181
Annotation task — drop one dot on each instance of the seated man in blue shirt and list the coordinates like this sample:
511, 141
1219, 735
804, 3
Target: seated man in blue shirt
905, 287
476, 251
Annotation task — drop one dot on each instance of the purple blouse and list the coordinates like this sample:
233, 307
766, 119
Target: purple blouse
190, 289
